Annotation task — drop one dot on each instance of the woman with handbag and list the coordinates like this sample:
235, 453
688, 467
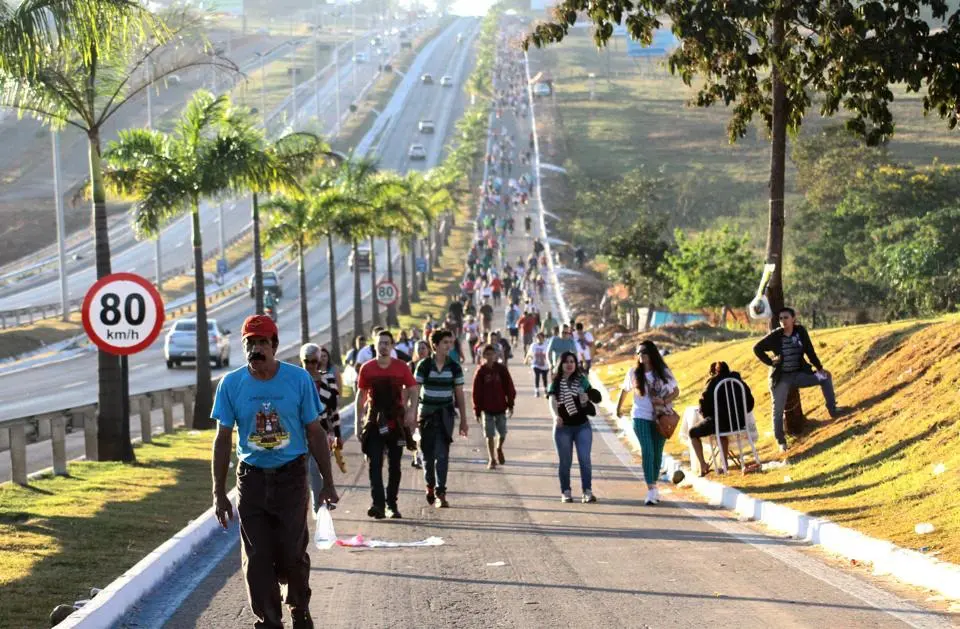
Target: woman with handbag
654, 420
572, 402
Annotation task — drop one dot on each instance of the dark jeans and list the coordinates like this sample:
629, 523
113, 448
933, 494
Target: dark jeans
539, 374
272, 507
436, 456
801, 380
376, 449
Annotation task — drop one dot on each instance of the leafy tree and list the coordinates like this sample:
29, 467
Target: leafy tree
290, 222
213, 149
76, 63
294, 155
711, 270
336, 216
767, 59
634, 258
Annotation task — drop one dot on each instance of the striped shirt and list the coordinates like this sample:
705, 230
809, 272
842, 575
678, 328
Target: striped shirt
436, 386
791, 353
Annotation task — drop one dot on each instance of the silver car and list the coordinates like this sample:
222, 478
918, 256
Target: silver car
417, 152
180, 344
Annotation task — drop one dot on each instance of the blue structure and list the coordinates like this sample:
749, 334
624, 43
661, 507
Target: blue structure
663, 42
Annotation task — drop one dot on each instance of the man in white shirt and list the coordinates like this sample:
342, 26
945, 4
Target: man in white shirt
369, 352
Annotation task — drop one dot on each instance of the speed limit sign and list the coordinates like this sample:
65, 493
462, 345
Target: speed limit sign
122, 313
387, 293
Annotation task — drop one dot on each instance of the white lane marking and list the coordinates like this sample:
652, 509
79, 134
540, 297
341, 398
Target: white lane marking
73, 385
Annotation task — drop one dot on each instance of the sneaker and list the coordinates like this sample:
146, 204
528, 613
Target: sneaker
649, 500
536, 392
392, 512
491, 465
839, 412
500, 458
415, 464
656, 496
302, 619
588, 497
783, 448
430, 496
376, 512
566, 497
442, 501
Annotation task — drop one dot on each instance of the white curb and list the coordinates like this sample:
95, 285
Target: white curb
908, 566
108, 607
887, 558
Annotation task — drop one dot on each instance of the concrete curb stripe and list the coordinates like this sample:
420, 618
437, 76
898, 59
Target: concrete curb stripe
887, 558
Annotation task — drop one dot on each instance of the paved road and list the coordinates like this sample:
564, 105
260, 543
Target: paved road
139, 257
73, 383
514, 556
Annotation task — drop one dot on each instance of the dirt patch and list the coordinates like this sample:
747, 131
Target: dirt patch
17, 341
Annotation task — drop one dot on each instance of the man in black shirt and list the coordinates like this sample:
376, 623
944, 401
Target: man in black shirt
455, 310
486, 316
789, 344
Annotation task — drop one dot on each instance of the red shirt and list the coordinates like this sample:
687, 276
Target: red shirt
397, 372
528, 324
493, 390
496, 285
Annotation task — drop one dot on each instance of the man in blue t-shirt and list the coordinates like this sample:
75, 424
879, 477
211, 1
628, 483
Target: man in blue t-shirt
275, 408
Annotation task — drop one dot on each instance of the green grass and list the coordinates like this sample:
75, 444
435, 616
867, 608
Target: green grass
61, 536
900, 379
640, 117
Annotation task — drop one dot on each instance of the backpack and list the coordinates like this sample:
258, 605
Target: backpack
383, 416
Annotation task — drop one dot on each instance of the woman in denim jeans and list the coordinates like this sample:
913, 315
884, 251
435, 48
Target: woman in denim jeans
569, 407
653, 386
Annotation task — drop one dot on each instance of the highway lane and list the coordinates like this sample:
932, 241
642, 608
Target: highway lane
73, 382
176, 251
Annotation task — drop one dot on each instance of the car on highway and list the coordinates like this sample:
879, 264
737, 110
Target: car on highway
362, 258
376, 40
360, 57
426, 126
446, 81
459, 38
406, 43
271, 281
426, 78
542, 89
417, 151
180, 344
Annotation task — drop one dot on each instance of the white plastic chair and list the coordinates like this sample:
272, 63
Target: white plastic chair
734, 394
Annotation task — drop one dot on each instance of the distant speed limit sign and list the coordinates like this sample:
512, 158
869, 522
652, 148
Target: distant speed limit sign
387, 293
122, 313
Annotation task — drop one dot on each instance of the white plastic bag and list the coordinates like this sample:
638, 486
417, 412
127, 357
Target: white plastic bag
324, 537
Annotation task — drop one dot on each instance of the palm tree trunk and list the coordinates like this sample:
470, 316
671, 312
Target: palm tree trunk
404, 292
392, 320
113, 420
414, 288
204, 399
304, 317
334, 323
357, 302
257, 259
423, 276
430, 257
374, 306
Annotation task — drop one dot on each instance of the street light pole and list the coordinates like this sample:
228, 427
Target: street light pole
316, 62
158, 266
353, 31
263, 89
336, 73
61, 245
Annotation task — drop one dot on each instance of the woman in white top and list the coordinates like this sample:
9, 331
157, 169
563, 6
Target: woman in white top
652, 385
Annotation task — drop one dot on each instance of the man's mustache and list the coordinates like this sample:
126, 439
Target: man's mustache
255, 355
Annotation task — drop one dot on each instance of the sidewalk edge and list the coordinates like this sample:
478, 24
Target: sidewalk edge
886, 558
109, 606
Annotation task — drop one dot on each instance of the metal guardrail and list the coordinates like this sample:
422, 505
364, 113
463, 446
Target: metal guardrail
27, 316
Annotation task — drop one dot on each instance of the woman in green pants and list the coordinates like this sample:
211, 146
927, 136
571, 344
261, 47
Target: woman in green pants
652, 385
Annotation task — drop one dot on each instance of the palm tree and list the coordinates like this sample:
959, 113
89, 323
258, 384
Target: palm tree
76, 63
291, 223
212, 149
336, 216
431, 201
295, 155
391, 210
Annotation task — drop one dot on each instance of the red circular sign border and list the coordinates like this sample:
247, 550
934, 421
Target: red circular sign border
118, 277
396, 293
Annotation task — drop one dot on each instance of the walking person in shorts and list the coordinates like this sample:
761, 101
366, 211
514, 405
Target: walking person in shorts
276, 410
493, 398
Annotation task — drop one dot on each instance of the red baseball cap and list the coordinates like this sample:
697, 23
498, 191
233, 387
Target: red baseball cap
258, 325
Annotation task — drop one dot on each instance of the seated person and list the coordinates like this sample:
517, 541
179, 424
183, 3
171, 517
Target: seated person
706, 426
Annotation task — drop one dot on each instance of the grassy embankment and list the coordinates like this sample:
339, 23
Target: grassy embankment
61, 536
640, 117
901, 381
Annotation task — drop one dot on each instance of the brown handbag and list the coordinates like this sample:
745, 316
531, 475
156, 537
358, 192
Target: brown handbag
667, 423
